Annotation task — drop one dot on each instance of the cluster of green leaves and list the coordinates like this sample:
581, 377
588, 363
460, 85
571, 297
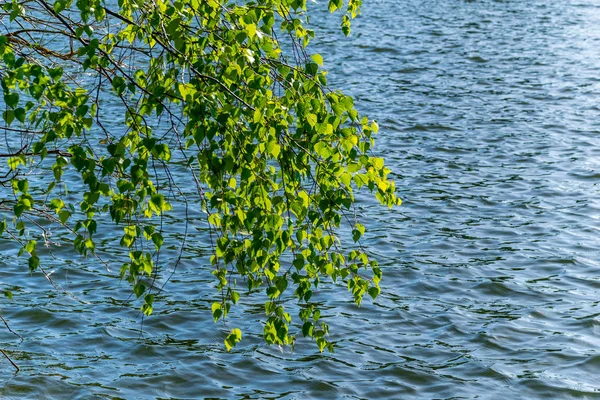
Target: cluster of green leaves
273, 155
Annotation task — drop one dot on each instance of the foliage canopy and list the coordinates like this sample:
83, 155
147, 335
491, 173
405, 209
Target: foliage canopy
223, 92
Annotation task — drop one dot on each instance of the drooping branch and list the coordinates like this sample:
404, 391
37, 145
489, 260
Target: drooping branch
126, 93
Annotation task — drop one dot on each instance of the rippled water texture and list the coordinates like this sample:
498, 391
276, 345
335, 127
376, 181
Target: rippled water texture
490, 120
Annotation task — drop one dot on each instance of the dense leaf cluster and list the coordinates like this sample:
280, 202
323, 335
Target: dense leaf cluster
224, 91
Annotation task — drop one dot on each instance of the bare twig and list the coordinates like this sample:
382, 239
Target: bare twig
9, 328
10, 360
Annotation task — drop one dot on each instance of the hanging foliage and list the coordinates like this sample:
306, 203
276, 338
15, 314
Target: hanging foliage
227, 94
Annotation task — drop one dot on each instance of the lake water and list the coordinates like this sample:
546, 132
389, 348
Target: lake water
490, 120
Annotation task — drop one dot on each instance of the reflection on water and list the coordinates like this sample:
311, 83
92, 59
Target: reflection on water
490, 119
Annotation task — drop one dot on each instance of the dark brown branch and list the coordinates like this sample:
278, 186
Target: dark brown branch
19, 153
41, 49
9, 329
11, 361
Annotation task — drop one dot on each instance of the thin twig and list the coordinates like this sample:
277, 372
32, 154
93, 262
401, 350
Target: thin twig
9, 329
11, 361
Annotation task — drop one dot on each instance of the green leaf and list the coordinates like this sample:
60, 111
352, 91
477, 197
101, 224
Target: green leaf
217, 311
307, 329
311, 68
374, 292
251, 30
30, 246
63, 216
162, 151
234, 337
273, 149
377, 162
8, 116
323, 150
147, 306
321, 343
139, 289
11, 99
158, 240
317, 58
20, 114
14, 162
235, 297
33, 262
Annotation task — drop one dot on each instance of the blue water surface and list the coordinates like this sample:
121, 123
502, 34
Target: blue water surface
490, 120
